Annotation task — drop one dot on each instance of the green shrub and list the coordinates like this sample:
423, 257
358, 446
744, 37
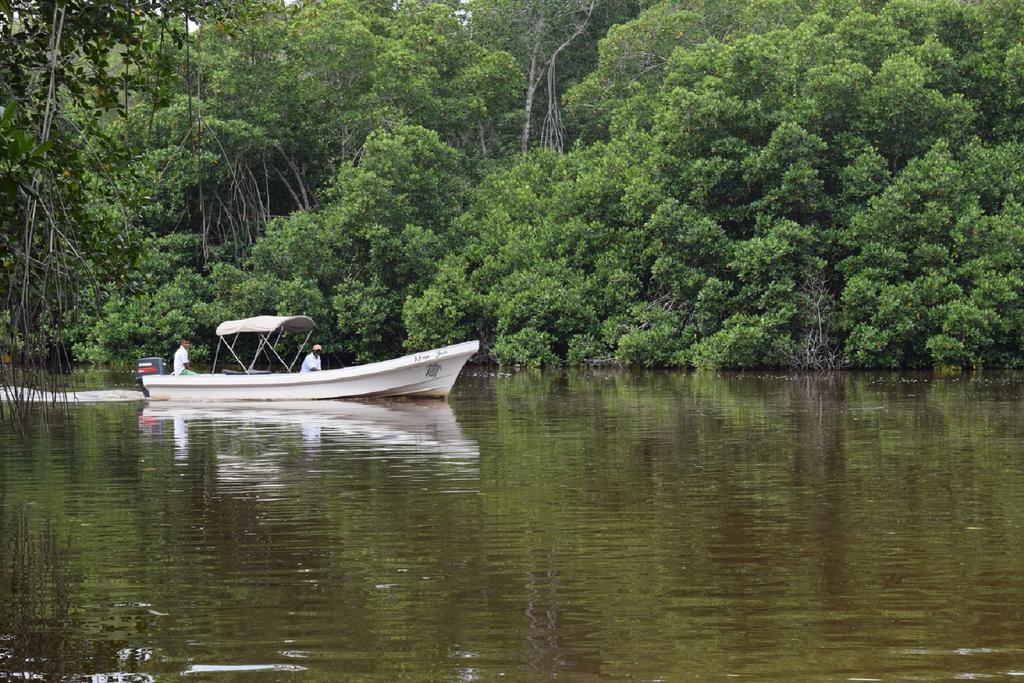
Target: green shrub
528, 346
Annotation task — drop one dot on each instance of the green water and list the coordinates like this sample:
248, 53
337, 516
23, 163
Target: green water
582, 527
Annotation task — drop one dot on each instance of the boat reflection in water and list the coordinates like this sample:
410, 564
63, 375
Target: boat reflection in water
254, 440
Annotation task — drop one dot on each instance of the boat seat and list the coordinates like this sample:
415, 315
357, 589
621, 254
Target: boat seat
250, 372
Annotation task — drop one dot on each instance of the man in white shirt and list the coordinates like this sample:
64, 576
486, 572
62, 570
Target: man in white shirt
312, 361
181, 364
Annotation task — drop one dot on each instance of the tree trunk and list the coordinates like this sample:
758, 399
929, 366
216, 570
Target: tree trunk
531, 89
553, 130
552, 133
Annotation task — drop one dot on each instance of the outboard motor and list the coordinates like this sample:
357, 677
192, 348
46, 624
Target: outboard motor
148, 366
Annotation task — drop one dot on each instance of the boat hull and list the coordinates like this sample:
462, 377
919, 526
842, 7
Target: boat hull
430, 374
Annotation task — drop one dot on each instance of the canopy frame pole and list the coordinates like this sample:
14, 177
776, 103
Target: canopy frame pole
299, 352
259, 348
231, 348
216, 353
271, 347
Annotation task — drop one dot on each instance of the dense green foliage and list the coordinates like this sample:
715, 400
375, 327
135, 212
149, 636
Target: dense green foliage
63, 67
782, 183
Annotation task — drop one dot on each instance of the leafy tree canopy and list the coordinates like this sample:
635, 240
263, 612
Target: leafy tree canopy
734, 183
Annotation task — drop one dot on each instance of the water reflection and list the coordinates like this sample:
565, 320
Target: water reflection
421, 427
37, 639
311, 434
566, 525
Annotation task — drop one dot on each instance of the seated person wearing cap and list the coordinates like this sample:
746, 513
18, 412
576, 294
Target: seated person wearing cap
312, 362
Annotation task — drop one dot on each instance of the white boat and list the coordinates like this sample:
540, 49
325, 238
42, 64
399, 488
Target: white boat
428, 374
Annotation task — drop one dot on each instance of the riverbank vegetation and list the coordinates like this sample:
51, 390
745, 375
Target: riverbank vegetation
684, 183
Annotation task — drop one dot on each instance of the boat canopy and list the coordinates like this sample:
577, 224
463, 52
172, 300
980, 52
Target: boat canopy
264, 326
267, 323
